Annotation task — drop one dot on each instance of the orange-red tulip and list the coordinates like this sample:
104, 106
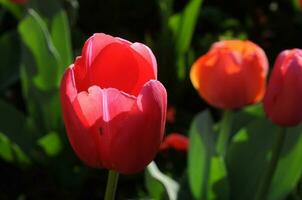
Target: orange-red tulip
114, 108
231, 75
282, 101
176, 141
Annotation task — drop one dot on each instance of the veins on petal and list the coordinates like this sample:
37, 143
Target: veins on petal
106, 116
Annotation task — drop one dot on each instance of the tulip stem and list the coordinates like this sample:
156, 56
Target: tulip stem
272, 166
224, 133
111, 185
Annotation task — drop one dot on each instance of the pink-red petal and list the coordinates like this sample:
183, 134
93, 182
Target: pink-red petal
146, 53
139, 132
82, 142
118, 66
94, 45
96, 110
283, 96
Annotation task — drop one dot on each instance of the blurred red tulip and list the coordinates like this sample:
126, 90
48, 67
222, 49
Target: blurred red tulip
175, 141
231, 75
282, 101
19, 1
114, 108
171, 112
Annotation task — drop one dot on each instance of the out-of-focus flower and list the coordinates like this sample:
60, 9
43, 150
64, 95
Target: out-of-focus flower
282, 101
114, 108
171, 112
300, 3
231, 75
175, 141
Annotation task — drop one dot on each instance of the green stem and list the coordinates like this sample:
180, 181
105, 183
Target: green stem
111, 185
269, 175
224, 133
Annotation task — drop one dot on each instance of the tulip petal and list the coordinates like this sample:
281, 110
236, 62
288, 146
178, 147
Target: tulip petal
126, 42
138, 133
225, 74
255, 74
94, 45
283, 96
146, 52
116, 120
80, 75
81, 141
118, 66
91, 49
95, 110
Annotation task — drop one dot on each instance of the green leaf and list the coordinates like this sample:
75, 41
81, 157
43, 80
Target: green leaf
289, 168
247, 158
20, 156
6, 151
37, 39
46, 8
9, 117
183, 25
40, 73
15, 9
51, 144
43, 106
206, 170
218, 187
9, 58
246, 115
200, 149
249, 154
186, 22
170, 185
11, 152
16, 136
154, 187
61, 38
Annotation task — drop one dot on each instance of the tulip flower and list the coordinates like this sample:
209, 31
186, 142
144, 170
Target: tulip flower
282, 105
171, 112
231, 75
176, 141
282, 101
114, 108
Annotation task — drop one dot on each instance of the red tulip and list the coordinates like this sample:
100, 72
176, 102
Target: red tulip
171, 112
176, 141
231, 75
19, 1
282, 101
114, 108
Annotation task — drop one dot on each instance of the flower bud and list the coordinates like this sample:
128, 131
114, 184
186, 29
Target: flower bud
231, 75
282, 101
